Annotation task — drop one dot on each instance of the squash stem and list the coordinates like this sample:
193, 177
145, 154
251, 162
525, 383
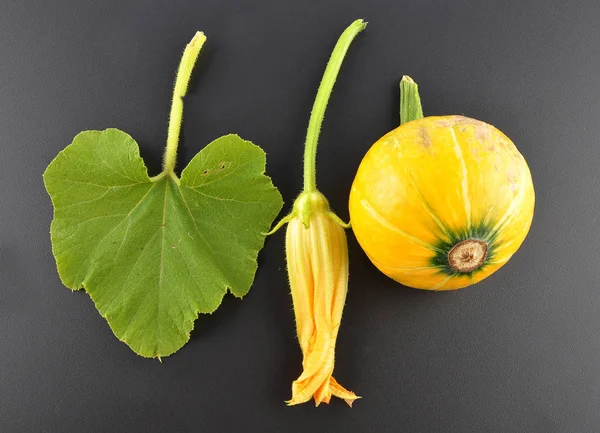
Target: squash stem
410, 101
320, 104
181, 85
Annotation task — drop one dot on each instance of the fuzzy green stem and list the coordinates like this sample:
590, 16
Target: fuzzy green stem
181, 84
410, 101
318, 110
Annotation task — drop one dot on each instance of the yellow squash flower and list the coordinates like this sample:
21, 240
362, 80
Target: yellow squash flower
317, 258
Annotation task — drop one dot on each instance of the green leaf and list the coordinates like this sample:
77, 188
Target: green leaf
154, 252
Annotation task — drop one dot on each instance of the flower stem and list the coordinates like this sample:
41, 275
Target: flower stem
318, 110
410, 101
181, 84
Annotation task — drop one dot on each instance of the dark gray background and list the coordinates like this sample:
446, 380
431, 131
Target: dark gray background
519, 352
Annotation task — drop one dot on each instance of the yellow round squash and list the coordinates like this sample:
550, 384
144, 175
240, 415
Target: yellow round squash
441, 203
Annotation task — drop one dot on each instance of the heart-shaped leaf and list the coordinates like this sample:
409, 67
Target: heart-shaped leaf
152, 254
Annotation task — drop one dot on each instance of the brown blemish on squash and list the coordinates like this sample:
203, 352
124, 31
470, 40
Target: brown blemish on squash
462, 120
424, 137
513, 177
482, 132
499, 160
503, 143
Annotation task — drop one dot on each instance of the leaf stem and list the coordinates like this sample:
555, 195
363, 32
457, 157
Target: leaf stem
320, 104
410, 101
181, 84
